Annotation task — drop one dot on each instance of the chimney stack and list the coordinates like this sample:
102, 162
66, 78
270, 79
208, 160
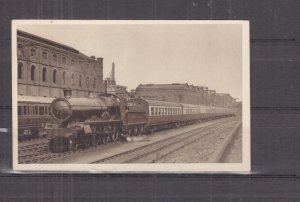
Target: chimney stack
113, 72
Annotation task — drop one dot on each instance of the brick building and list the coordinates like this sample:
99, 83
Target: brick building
183, 93
46, 67
175, 92
225, 100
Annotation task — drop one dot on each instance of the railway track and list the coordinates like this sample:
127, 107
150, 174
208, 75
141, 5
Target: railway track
39, 152
154, 151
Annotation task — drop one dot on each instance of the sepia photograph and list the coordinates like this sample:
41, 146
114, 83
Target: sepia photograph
131, 96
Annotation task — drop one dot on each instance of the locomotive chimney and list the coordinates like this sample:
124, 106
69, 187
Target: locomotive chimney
67, 93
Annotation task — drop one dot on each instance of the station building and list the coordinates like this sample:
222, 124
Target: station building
46, 67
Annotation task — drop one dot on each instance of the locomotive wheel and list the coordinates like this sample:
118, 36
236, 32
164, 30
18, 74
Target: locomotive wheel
72, 146
87, 141
105, 138
51, 146
141, 130
130, 132
135, 131
115, 135
95, 140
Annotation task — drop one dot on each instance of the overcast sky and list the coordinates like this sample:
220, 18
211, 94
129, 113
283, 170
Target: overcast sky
199, 54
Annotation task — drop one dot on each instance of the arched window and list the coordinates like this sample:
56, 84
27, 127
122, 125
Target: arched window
64, 78
64, 60
87, 82
94, 83
54, 57
72, 79
54, 76
20, 70
44, 55
32, 73
80, 78
44, 74
32, 52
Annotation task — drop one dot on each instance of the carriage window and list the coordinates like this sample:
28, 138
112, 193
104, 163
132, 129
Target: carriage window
159, 111
152, 111
41, 110
20, 110
166, 112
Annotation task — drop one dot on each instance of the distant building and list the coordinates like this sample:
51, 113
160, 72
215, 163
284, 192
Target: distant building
183, 93
112, 87
225, 99
175, 92
46, 67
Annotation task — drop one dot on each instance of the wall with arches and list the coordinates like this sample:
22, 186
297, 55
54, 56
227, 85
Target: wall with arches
45, 68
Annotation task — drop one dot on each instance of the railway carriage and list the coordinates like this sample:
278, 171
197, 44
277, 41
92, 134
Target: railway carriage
151, 115
33, 114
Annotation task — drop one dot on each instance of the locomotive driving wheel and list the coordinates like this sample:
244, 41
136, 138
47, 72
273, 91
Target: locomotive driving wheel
135, 131
72, 145
87, 141
141, 130
105, 136
95, 140
115, 135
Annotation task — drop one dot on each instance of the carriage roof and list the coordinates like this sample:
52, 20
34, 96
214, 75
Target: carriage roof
162, 103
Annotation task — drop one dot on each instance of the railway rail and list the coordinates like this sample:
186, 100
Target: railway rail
152, 152
39, 152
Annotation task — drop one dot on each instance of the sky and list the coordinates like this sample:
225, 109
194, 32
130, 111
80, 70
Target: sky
199, 54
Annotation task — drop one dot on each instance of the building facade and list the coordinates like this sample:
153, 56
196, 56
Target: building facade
175, 92
183, 93
46, 67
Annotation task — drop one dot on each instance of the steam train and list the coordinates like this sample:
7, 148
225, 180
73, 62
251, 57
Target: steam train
92, 120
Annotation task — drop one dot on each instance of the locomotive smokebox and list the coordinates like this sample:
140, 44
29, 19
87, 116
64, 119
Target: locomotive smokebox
67, 93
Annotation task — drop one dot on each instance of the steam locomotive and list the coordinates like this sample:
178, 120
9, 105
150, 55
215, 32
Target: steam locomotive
92, 120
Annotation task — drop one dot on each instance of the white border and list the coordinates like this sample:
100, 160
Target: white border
140, 168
